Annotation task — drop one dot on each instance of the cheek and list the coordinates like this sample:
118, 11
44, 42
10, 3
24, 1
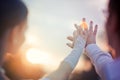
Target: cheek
22, 38
22, 34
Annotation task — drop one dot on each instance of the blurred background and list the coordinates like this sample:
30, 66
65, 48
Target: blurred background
50, 22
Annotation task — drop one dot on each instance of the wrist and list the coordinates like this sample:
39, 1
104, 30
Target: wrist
80, 42
89, 44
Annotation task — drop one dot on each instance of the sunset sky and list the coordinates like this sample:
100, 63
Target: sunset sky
51, 21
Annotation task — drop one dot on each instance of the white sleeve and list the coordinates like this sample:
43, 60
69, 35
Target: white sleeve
98, 57
73, 58
75, 54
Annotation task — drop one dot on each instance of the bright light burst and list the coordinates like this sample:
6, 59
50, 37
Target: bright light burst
36, 56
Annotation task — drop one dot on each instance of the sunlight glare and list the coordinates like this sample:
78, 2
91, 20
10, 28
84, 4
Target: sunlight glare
36, 56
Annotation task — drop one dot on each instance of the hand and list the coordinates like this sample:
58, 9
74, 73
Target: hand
88, 35
73, 38
92, 34
78, 32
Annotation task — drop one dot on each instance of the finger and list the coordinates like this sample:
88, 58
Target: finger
76, 26
86, 31
75, 34
70, 38
91, 26
70, 45
95, 30
80, 30
83, 32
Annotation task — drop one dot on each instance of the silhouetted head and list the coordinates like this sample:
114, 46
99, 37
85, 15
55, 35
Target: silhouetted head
113, 25
13, 23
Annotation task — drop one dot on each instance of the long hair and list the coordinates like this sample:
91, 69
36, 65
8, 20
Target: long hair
114, 8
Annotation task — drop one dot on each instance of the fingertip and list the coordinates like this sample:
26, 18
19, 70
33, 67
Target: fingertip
95, 30
91, 21
67, 44
76, 26
91, 26
96, 26
67, 37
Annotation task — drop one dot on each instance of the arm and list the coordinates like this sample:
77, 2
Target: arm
98, 57
69, 63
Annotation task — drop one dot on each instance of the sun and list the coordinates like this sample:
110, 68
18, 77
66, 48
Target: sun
36, 56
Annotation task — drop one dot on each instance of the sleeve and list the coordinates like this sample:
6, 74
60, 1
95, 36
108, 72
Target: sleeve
73, 58
98, 57
69, 63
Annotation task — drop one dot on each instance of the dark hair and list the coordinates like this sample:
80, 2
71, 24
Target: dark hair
114, 7
12, 12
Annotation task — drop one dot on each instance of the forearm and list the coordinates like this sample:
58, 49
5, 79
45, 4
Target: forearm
62, 73
75, 54
69, 63
98, 57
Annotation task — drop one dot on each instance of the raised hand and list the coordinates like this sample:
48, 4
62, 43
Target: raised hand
73, 38
79, 32
88, 35
92, 34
